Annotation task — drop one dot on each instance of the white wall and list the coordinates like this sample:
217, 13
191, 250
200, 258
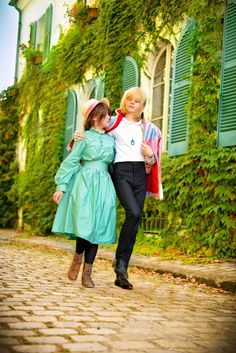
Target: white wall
32, 10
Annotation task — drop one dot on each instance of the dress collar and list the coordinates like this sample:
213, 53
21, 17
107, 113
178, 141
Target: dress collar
97, 131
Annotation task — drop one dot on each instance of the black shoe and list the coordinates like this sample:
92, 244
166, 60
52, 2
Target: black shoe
120, 268
123, 283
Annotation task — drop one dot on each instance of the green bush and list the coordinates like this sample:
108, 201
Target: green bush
8, 167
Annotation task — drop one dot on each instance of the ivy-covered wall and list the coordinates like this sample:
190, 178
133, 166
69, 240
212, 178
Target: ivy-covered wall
9, 127
199, 205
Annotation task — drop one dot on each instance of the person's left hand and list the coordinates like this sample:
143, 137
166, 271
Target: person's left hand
146, 150
57, 196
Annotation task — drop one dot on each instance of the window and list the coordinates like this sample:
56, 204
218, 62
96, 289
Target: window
227, 110
33, 31
92, 93
97, 88
158, 90
178, 140
39, 43
161, 91
40, 32
71, 116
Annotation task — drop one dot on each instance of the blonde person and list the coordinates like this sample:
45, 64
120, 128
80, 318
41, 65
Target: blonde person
85, 193
138, 152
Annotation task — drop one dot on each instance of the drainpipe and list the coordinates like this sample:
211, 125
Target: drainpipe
14, 4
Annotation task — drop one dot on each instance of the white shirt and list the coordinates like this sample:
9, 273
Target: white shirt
128, 139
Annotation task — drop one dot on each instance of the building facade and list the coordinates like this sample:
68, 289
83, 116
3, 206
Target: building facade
168, 72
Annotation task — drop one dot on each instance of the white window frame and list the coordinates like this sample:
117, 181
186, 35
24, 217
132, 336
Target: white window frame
166, 100
39, 42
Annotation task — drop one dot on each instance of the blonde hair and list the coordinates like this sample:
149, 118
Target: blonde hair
134, 92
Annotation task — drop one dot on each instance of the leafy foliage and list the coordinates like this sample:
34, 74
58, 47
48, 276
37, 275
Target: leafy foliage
8, 166
199, 205
200, 202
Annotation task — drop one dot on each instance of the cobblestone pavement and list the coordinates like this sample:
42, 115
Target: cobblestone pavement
217, 273
43, 311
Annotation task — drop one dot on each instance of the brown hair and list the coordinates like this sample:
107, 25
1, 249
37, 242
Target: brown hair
100, 111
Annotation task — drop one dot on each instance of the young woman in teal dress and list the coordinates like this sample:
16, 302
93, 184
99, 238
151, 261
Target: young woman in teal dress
85, 193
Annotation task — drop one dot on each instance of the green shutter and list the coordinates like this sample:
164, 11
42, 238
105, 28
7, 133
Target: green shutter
47, 30
130, 73
91, 85
99, 90
33, 31
71, 115
178, 140
227, 109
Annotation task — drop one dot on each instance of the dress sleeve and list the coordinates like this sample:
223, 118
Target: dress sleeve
69, 166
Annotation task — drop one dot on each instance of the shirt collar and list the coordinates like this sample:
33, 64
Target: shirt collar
132, 123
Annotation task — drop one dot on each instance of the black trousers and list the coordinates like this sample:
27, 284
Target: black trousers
129, 179
89, 249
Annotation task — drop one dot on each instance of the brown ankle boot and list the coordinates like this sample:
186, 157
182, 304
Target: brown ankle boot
86, 279
75, 266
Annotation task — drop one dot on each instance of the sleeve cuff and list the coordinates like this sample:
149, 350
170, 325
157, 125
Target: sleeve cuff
61, 187
150, 160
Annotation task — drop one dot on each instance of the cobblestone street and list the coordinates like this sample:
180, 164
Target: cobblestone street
43, 311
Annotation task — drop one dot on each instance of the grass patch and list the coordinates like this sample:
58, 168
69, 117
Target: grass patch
146, 244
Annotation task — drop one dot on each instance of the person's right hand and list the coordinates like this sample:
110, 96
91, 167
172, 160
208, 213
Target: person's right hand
57, 196
78, 135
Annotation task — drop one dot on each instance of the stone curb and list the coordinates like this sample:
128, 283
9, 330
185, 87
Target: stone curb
221, 274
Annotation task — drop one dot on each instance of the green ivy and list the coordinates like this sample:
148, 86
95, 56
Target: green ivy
199, 205
200, 202
9, 127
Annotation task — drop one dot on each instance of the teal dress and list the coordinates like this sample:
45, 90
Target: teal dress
88, 205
